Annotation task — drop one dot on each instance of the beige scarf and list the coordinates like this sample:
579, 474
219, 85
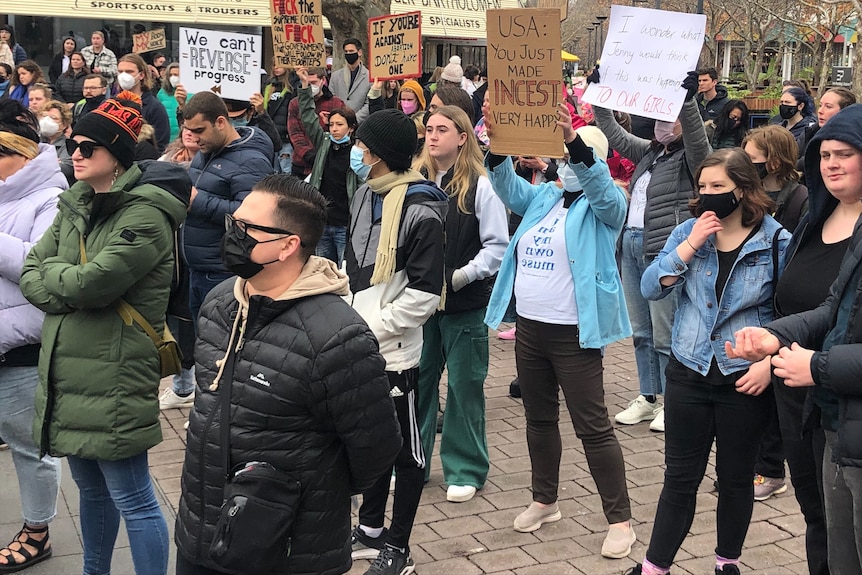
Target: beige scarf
393, 188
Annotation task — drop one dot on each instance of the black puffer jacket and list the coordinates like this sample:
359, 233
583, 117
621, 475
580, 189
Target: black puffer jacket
672, 183
309, 390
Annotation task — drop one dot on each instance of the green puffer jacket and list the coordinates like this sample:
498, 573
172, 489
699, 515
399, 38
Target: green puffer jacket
99, 378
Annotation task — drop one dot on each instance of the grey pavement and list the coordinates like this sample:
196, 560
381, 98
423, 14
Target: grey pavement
476, 537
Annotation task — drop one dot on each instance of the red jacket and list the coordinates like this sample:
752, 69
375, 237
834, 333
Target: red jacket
303, 149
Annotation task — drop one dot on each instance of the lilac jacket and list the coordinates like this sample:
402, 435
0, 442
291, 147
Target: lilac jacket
28, 204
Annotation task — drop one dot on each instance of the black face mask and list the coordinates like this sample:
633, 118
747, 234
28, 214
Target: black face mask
236, 254
761, 170
95, 100
722, 204
787, 111
351, 58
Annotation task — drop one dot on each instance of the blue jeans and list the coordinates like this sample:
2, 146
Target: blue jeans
652, 321
200, 284
332, 243
38, 478
285, 158
109, 489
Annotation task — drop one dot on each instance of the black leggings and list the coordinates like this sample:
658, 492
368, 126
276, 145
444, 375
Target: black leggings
696, 413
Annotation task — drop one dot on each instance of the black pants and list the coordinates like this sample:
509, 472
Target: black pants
696, 413
549, 359
186, 567
409, 467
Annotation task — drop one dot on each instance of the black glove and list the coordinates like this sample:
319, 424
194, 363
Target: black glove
594, 77
690, 85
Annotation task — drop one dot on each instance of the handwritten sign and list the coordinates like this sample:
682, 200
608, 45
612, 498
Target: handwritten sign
226, 63
563, 6
149, 41
395, 46
525, 81
644, 60
297, 32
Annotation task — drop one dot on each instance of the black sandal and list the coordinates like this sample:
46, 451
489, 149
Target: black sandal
30, 559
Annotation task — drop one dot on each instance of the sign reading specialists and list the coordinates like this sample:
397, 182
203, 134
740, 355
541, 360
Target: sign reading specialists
525, 81
297, 32
149, 41
226, 63
645, 58
395, 46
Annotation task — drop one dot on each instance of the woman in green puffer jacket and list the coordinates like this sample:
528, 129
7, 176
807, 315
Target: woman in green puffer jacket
99, 373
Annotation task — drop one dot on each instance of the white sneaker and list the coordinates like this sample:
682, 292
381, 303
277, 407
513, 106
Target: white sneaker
460, 493
639, 409
170, 400
657, 424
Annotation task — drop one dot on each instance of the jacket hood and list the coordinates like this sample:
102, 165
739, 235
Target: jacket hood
253, 138
161, 184
318, 276
720, 92
845, 126
41, 172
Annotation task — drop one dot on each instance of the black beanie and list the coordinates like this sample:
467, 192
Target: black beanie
115, 124
391, 136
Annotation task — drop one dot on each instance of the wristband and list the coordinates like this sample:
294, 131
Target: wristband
689, 244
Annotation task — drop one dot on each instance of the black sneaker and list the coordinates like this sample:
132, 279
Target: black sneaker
392, 561
515, 389
727, 570
636, 570
365, 546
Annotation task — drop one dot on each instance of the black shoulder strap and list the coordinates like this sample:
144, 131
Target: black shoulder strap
775, 259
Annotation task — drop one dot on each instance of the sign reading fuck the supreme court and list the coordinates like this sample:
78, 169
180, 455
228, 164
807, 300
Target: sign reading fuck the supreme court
646, 56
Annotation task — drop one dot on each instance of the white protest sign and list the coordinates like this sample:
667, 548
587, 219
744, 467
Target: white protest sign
226, 63
645, 58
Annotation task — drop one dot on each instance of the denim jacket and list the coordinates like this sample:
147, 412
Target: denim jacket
702, 325
593, 223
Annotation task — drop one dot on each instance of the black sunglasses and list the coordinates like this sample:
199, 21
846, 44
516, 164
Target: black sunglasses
87, 147
243, 227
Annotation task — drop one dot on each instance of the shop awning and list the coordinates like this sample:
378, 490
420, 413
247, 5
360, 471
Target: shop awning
569, 57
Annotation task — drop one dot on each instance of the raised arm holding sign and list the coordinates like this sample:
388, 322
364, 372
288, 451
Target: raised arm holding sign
645, 57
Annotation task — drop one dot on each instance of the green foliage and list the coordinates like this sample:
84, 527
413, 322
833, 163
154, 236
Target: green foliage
737, 92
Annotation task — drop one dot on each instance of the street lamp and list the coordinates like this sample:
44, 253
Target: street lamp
590, 45
601, 20
597, 47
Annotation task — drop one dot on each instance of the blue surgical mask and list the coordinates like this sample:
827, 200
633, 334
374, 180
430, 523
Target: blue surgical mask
570, 180
343, 140
239, 122
360, 168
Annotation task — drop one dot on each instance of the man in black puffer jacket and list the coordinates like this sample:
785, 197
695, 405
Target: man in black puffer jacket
309, 392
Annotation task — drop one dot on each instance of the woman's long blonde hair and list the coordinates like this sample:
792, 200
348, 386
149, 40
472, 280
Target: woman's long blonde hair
468, 165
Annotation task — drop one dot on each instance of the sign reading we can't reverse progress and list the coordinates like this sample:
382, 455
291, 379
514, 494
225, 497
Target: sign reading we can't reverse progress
524, 71
226, 63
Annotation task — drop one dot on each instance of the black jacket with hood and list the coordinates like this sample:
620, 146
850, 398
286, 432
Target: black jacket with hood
309, 396
711, 109
837, 371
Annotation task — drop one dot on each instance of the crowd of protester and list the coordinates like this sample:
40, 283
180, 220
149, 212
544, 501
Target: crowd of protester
323, 250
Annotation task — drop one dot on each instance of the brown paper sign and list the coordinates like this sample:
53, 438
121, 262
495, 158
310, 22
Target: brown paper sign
525, 83
149, 41
297, 32
563, 5
395, 46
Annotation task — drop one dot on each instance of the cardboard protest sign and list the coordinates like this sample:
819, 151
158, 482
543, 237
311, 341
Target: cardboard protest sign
226, 63
563, 6
645, 58
395, 46
525, 81
297, 32
149, 41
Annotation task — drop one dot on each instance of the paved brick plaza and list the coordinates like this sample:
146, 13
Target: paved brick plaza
477, 537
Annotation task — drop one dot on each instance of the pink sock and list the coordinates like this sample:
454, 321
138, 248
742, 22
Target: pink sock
648, 568
720, 562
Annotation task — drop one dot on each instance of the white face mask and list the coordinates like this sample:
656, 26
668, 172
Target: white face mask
126, 80
315, 89
48, 126
175, 81
569, 179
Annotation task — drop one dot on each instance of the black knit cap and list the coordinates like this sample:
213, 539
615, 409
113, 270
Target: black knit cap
115, 124
391, 136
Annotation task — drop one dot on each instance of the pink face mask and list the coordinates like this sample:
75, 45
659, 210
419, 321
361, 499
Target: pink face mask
663, 132
408, 106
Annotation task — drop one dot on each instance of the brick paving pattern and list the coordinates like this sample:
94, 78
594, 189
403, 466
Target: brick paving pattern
476, 537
